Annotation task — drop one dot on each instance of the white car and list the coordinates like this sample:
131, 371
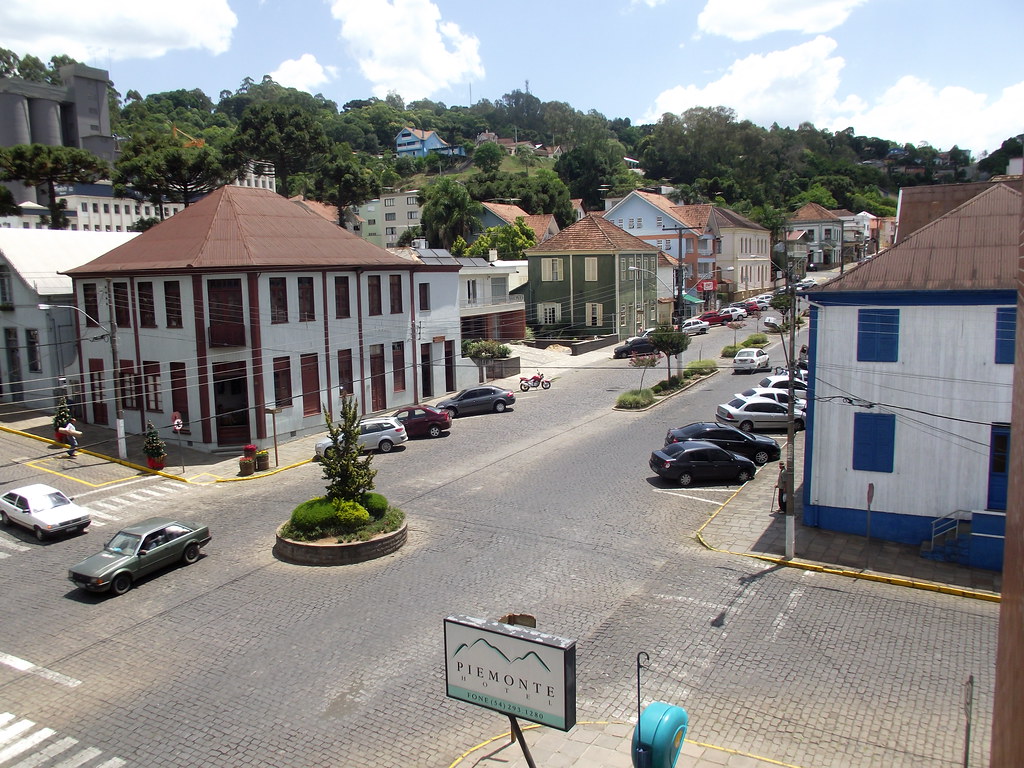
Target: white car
750, 360
738, 313
778, 395
43, 510
782, 382
647, 332
694, 326
375, 434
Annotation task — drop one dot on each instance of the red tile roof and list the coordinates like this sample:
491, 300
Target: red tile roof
812, 212
973, 247
592, 233
241, 228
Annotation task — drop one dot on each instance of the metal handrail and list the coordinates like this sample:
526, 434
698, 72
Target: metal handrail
941, 526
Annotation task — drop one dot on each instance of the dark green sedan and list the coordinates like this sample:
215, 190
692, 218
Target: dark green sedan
138, 550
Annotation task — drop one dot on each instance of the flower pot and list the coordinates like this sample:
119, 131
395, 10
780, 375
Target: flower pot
156, 462
262, 461
249, 451
246, 467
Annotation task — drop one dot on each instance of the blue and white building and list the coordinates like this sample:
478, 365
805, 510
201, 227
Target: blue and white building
911, 358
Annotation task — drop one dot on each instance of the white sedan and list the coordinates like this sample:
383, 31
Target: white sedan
778, 395
738, 313
750, 360
43, 510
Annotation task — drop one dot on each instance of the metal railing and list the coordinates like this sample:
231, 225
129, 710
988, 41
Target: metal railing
943, 526
485, 301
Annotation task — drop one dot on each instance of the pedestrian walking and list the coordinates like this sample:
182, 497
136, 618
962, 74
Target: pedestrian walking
72, 432
782, 487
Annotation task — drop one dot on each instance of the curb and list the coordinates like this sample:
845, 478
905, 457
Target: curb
659, 400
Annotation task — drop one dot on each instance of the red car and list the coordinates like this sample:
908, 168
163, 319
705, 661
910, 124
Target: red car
424, 420
715, 318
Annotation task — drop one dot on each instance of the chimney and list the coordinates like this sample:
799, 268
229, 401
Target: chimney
420, 244
492, 254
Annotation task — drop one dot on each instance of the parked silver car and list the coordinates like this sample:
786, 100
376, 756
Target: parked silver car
380, 433
750, 360
43, 510
481, 399
757, 413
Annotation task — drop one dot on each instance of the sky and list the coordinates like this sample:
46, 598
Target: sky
911, 71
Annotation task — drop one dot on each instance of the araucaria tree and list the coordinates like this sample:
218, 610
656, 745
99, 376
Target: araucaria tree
345, 469
39, 165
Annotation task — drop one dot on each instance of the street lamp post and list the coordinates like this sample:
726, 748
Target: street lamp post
122, 450
790, 475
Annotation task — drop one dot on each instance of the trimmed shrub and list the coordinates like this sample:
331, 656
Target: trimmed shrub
671, 385
485, 349
349, 516
700, 368
757, 339
313, 516
730, 351
375, 504
635, 398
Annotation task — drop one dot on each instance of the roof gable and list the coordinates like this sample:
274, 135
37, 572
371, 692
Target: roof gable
973, 247
812, 212
593, 233
238, 229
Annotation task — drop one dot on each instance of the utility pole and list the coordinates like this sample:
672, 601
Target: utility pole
122, 450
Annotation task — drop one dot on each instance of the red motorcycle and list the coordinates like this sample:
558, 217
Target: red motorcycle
526, 383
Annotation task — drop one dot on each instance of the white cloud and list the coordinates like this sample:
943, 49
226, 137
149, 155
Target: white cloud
404, 46
103, 31
648, 3
789, 87
750, 19
912, 110
304, 73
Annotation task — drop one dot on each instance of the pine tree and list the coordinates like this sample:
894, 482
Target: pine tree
346, 471
62, 415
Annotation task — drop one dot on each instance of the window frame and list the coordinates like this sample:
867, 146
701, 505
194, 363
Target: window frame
307, 300
278, 300
874, 442
878, 337
1005, 335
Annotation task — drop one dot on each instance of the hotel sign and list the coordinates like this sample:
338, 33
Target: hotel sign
514, 670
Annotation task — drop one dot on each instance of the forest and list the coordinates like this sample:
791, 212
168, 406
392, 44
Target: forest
180, 144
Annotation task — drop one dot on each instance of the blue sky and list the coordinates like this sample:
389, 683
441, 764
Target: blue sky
912, 71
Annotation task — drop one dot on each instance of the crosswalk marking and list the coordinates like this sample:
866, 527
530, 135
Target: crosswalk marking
48, 674
21, 736
11, 544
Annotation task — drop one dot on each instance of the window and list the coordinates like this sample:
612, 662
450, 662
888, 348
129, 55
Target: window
106, 207
85, 207
147, 305
639, 222
307, 302
226, 312
590, 268
424, 289
595, 313
658, 220
1006, 333
389, 202
550, 313
390, 216
172, 304
374, 296
874, 441
151, 386
345, 379
410, 201
878, 335
390, 230
32, 347
282, 382
92, 304
413, 215
278, 300
95, 207
471, 298
117, 208
179, 393
395, 294
122, 314
6, 288
551, 270
398, 364
129, 383
371, 222
341, 297
310, 384
631, 223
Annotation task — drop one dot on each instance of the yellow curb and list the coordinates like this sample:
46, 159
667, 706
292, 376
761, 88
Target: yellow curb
265, 473
898, 581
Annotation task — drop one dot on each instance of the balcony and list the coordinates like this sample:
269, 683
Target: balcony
482, 305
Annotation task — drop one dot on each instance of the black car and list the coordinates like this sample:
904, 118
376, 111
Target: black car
695, 460
758, 448
482, 399
641, 345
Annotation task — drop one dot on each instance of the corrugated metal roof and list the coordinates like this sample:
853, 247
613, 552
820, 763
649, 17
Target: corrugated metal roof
242, 228
973, 247
592, 233
40, 256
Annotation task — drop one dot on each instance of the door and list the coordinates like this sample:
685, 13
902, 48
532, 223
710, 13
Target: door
426, 374
998, 466
449, 366
96, 393
231, 403
378, 381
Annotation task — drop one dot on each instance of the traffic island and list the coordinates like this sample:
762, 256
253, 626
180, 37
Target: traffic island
330, 552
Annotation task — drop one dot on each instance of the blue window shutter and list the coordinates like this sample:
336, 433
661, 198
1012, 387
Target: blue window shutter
1006, 334
874, 442
878, 335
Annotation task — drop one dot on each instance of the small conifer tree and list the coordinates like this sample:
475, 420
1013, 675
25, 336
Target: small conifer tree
62, 415
153, 447
346, 470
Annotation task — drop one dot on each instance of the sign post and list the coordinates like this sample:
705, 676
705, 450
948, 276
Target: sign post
177, 424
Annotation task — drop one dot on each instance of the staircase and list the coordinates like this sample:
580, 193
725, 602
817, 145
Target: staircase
951, 539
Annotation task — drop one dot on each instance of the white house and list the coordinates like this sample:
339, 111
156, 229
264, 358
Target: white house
40, 357
245, 304
911, 360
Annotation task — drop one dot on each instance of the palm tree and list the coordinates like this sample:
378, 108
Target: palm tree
448, 213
